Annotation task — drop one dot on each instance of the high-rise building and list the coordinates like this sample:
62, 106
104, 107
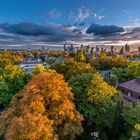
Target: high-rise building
112, 49
71, 48
87, 49
82, 46
127, 48
97, 48
65, 49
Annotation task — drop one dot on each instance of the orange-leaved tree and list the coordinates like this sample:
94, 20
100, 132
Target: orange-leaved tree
43, 110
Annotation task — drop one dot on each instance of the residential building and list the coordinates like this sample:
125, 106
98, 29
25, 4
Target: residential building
106, 73
28, 66
130, 90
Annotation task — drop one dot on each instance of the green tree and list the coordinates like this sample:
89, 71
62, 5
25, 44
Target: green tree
133, 70
5, 95
120, 74
50, 60
136, 132
96, 100
13, 79
132, 116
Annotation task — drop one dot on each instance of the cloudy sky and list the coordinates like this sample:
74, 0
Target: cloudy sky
34, 23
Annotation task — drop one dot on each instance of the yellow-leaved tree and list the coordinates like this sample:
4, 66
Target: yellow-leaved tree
43, 110
38, 69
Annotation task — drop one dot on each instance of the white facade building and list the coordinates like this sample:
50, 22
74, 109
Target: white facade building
28, 66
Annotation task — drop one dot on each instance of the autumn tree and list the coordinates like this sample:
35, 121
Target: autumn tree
106, 63
71, 68
136, 132
13, 79
36, 54
91, 55
122, 51
102, 54
80, 56
97, 102
6, 58
43, 110
38, 69
132, 71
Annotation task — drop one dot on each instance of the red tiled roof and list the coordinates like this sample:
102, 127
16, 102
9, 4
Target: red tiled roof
132, 85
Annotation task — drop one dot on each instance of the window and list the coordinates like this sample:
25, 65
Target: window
138, 97
129, 94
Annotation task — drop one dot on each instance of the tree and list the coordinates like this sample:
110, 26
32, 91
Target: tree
38, 69
120, 74
96, 100
91, 55
136, 132
122, 51
5, 95
13, 79
71, 68
102, 54
106, 63
12, 71
44, 110
50, 60
132, 117
36, 54
80, 56
133, 70
113, 80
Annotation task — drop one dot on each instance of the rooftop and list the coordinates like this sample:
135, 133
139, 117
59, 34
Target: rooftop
132, 85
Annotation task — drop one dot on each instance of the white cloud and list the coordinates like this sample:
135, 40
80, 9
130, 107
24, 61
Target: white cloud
81, 14
101, 17
126, 12
84, 13
136, 21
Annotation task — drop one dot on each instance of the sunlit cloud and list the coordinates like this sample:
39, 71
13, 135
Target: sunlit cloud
34, 35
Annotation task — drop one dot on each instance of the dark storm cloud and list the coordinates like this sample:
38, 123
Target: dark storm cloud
131, 33
81, 24
60, 33
26, 28
105, 30
51, 32
27, 33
